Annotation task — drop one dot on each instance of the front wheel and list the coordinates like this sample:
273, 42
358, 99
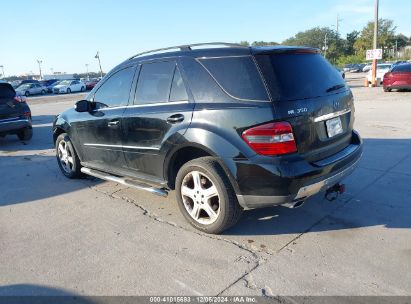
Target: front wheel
68, 91
387, 90
27, 94
82, 89
206, 197
43, 92
67, 158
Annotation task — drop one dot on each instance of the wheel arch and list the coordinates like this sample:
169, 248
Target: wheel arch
187, 152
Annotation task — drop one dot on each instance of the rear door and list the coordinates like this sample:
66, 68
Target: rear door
160, 115
310, 94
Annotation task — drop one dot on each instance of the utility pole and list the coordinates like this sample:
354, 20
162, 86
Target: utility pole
40, 62
338, 24
325, 47
374, 62
87, 71
99, 63
2, 71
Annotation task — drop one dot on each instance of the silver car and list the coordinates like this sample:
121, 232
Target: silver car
28, 89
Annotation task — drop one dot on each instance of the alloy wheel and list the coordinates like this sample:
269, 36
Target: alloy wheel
200, 197
65, 157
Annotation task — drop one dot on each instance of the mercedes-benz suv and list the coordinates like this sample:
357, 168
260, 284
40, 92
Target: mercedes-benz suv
228, 128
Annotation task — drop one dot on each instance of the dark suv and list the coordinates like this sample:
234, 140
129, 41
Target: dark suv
229, 128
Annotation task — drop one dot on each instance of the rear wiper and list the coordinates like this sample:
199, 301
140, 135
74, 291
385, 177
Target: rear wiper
336, 87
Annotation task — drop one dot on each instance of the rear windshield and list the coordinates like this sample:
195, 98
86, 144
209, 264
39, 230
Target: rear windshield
238, 76
293, 76
402, 68
6, 92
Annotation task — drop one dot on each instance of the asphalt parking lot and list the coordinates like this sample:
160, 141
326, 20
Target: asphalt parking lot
89, 237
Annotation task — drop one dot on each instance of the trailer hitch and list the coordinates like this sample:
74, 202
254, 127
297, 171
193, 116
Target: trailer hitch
332, 193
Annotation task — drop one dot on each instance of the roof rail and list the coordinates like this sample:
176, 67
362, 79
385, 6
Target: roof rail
188, 47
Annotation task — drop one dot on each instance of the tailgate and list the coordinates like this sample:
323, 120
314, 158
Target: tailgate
309, 93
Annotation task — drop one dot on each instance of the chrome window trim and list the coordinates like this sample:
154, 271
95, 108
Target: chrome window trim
121, 146
331, 115
145, 105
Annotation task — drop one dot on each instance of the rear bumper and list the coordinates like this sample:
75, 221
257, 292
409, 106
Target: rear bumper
292, 179
12, 125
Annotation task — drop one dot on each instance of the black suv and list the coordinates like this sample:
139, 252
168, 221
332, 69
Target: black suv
229, 128
15, 114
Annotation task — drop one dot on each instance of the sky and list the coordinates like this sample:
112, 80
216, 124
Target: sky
66, 35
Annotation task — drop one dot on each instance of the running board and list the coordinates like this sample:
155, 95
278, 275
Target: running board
124, 181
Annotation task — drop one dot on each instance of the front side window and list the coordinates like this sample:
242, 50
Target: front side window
238, 76
154, 82
115, 91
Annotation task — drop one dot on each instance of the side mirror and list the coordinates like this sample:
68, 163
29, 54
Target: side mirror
83, 106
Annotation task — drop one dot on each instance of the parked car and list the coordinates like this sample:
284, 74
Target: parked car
367, 67
381, 70
90, 84
229, 128
399, 77
49, 84
15, 114
28, 89
69, 86
341, 71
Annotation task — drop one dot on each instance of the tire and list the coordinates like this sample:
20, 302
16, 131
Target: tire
224, 206
64, 151
43, 92
68, 91
387, 90
82, 89
27, 94
25, 134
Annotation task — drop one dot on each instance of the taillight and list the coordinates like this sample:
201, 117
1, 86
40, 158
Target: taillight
274, 138
387, 75
19, 98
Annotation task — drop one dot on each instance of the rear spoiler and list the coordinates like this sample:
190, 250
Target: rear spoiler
284, 50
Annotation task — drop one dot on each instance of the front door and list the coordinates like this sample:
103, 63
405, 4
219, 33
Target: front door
100, 130
160, 115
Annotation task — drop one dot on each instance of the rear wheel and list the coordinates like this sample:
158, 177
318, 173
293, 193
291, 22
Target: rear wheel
25, 134
205, 196
68, 91
387, 90
67, 158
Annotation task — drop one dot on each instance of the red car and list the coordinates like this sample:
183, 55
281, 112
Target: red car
91, 84
399, 77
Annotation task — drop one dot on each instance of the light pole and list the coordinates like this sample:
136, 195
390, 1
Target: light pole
87, 71
99, 63
374, 61
40, 62
2, 71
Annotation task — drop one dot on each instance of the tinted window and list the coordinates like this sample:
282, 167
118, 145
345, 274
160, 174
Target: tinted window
238, 76
402, 68
178, 90
154, 82
6, 92
115, 91
292, 76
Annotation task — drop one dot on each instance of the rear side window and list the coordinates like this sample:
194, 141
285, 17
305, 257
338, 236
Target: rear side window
154, 82
238, 76
115, 91
402, 68
6, 92
178, 90
293, 76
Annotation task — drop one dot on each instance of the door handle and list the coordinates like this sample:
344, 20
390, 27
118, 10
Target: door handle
176, 118
113, 123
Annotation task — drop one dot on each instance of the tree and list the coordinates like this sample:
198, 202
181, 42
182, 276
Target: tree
386, 36
316, 38
263, 43
349, 43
